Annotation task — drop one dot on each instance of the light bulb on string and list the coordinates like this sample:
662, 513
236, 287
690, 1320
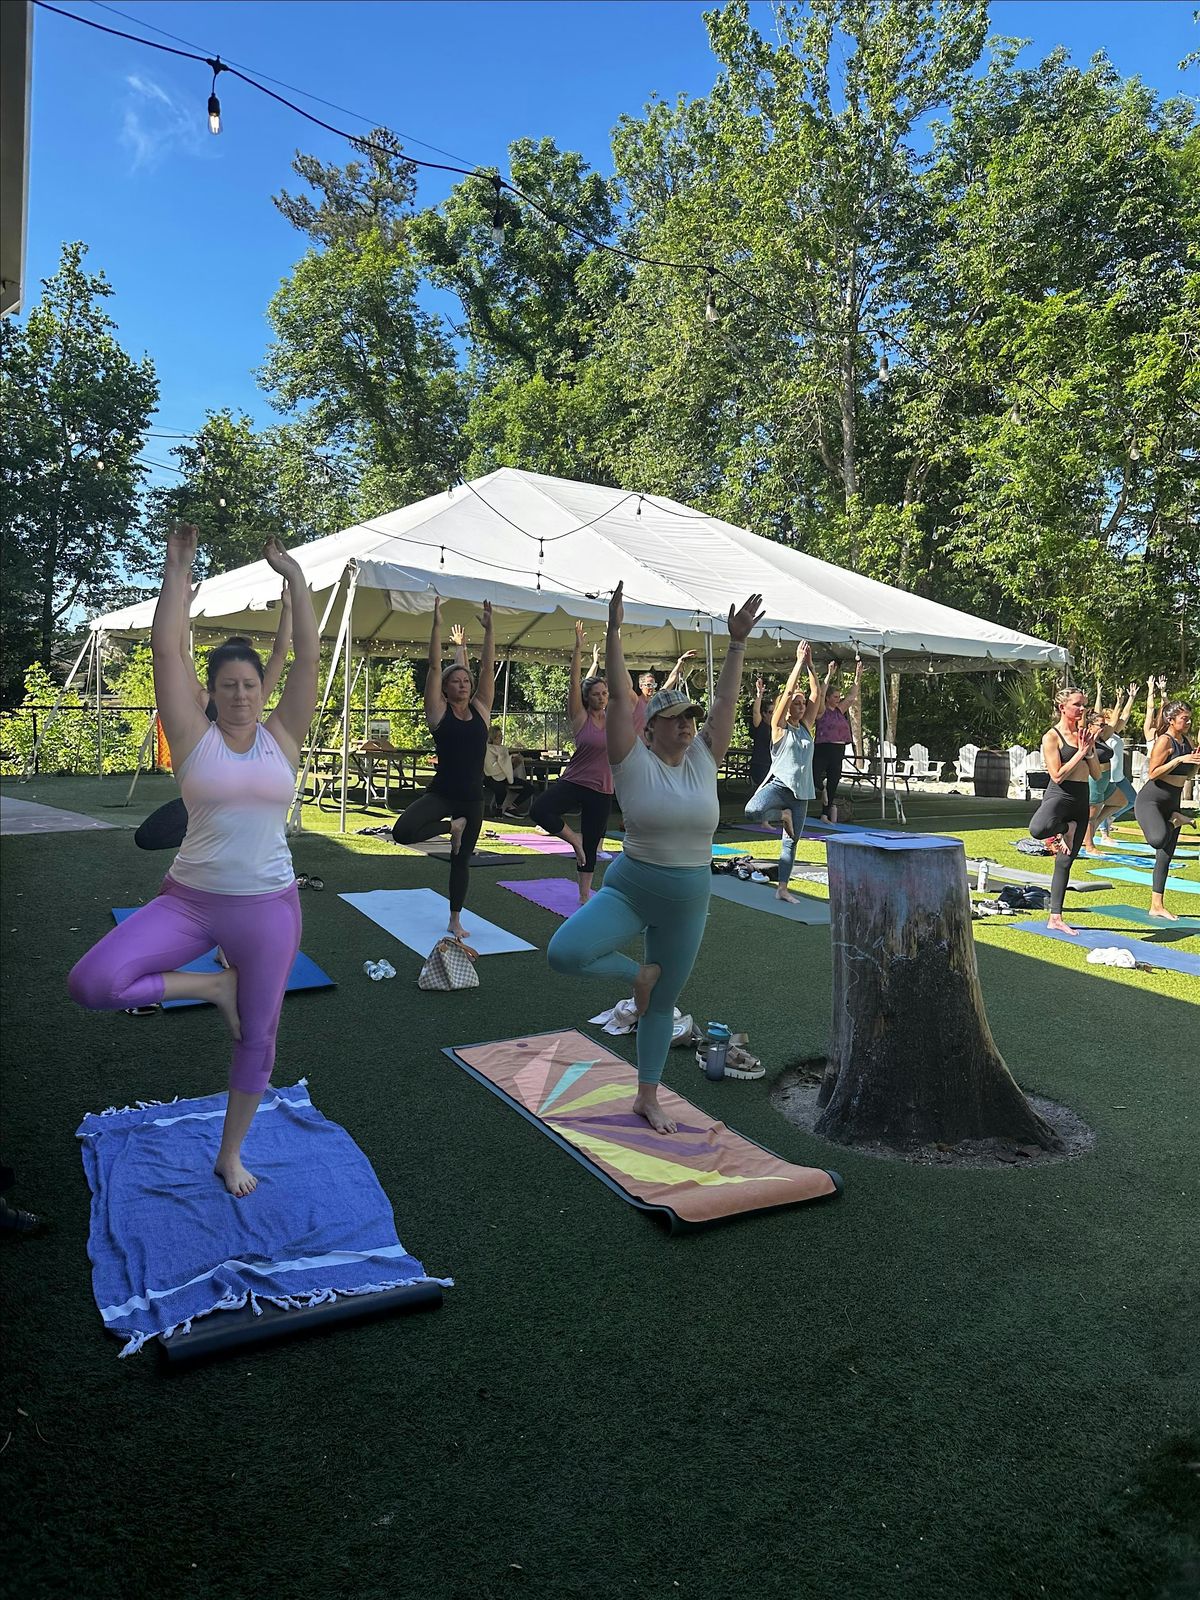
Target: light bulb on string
442, 561
711, 313
638, 512
885, 370
1135, 453
214, 105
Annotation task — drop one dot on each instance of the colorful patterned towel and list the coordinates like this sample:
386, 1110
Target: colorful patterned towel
168, 1243
580, 1093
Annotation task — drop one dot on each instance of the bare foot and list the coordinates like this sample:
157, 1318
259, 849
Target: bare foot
584, 895
1180, 821
786, 894
235, 1177
457, 829
645, 1104
222, 958
455, 926
1057, 925
225, 999
576, 844
643, 985
1162, 913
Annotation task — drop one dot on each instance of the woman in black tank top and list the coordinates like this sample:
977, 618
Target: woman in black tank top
1069, 751
1159, 805
458, 714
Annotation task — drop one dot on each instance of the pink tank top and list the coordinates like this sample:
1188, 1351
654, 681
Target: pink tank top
237, 805
589, 767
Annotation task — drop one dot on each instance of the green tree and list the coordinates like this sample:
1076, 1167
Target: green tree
76, 409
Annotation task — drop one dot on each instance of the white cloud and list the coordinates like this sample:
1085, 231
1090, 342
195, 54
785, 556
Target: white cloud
155, 125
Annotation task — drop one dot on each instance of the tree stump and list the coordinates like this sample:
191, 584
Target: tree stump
912, 1059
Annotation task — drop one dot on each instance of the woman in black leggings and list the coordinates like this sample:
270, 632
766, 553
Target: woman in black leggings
1158, 807
458, 720
586, 785
1069, 751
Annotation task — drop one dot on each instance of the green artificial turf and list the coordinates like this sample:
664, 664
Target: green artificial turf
951, 1382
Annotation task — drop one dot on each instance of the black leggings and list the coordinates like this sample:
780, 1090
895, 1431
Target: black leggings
593, 807
827, 773
498, 789
429, 815
1064, 804
1156, 804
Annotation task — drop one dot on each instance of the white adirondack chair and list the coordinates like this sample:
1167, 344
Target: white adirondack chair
964, 763
901, 770
1036, 776
1017, 757
921, 767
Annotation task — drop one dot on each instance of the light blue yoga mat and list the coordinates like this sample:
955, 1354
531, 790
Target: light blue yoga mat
1128, 847
1139, 915
1134, 875
168, 1243
305, 973
1154, 955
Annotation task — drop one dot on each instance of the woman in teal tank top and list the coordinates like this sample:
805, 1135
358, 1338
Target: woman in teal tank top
784, 794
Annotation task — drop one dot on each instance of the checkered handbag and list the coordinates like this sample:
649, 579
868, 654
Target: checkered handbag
449, 965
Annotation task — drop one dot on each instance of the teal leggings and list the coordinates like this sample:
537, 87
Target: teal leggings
669, 905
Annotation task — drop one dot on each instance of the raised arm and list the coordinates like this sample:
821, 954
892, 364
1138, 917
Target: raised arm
756, 711
485, 689
816, 692
678, 671
1099, 696
175, 681
279, 650
185, 648
1148, 724
435, 700
779, 714
458, 638
575, 707
619, 731
718, 730
854, 693
290, 720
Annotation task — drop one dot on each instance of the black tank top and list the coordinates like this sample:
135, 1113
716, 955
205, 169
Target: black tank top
460, 744
1067, 752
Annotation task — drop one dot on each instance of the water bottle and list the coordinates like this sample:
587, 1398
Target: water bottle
386, 969
981, 879
374, 970
715, 1050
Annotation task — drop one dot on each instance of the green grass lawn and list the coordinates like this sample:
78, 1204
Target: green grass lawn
952, 1382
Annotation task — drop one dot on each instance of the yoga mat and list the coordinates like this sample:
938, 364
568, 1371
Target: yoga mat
1119, 848
762, 897
545, 844
439, 850
305, 973
169, 1244
27, 816
418, 918
1115, 858
1134, 875
1154, 955
1139, 915
552, 894
579, 1093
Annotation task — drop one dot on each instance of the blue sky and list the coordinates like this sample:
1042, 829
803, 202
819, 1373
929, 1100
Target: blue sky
182, 223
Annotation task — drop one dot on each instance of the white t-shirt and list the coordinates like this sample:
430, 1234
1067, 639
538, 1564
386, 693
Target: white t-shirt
670, 813
1116, 771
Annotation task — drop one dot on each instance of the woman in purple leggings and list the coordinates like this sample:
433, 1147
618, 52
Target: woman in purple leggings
232, 883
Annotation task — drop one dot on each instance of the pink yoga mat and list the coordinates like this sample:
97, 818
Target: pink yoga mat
552, 894
544, 843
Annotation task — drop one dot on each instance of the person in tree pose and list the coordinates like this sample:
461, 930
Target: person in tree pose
232, 883
1069, 751
659, 887
164, 829
1114, 794
458, 713
832, 734
788, 787
760, 736
1158, 808
586, 784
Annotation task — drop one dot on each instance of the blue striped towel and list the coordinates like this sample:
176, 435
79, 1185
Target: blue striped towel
169, 1244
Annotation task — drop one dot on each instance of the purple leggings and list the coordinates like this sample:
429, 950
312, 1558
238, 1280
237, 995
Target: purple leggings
259, 933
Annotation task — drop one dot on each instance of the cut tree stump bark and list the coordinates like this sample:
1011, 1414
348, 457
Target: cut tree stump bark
912, 1059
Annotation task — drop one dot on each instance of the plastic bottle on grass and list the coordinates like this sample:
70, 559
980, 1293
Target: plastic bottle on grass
716, 1047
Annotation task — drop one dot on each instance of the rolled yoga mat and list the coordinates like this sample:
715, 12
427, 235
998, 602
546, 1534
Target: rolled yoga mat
1135, 875
305, 973
1154, 955
418, 918
580, 1093
170, 1247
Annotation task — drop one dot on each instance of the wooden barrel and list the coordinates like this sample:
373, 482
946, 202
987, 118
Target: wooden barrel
992, 773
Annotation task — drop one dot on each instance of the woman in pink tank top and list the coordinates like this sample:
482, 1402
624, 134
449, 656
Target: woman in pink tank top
586, 784
232, 883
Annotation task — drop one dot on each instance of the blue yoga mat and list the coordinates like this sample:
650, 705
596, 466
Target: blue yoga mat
1129, 847
1139, 915
1154, 955
305, 973
169, 1244
1135, 875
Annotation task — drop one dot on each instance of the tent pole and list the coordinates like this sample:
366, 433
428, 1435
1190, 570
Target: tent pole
346, 686
302, 777
882, 736
99, 705
366, 697
31, 759
150, 734
504, 709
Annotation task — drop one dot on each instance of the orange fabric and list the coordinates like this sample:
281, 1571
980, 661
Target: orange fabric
162, 750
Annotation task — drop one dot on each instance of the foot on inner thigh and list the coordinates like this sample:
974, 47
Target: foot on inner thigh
235, 1176
1057, 925
224, 997
645, 1104
455, 926
457, 829
576, 844
643, 985
1180, 821
788, 825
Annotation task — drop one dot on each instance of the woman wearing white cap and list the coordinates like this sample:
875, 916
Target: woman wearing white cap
659, 886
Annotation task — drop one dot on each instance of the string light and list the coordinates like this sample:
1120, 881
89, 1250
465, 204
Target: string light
638, 512
885, 371
214, 105
711, 313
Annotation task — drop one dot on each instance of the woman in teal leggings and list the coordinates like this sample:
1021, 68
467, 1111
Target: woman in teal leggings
659, 885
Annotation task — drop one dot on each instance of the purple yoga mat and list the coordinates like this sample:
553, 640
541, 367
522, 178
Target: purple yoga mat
545, 844
552, 894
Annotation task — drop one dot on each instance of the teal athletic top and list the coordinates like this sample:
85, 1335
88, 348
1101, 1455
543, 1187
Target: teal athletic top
791, 761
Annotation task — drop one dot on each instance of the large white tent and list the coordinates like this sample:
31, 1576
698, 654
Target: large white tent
546, 550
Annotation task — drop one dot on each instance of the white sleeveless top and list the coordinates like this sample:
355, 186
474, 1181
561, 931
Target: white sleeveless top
237, 805
670, 813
